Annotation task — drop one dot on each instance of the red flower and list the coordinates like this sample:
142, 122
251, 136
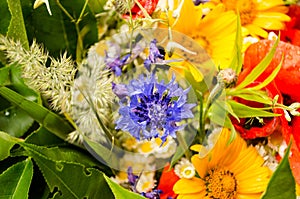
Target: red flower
287, 81
167, 180
288, 78
291, 33
253, 129
148, 5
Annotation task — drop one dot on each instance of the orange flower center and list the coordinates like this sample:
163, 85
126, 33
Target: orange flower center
246, 8
220, 184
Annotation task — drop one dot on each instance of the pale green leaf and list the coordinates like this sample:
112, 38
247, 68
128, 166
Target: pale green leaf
237, 61
16, 27
105, 155
16, 180
282, 183
6, 143
251, 95
270, 78
120, 192
229, 125
244, 111
260, 68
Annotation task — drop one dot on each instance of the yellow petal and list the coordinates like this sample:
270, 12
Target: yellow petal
274, 15
189, 186
201, 165
255, 30
267, 4
192, 196
268, 24
249, 196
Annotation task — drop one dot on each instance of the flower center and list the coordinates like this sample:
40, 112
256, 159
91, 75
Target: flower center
153, 110
220, 184
204, 43
245, 7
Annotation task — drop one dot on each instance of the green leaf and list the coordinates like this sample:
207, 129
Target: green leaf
70, 179
12, 116
282, 183
5, 76
5, 17
270, 78
103, 154
243, 111
6, 143
58, 32
65, 154
15, 181
19, 85
260, 68
16, 27
237, 61
260, 98
45, 117
120, 192
43, 137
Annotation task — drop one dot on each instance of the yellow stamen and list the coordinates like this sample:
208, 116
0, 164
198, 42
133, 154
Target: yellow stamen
221, 183
245, 7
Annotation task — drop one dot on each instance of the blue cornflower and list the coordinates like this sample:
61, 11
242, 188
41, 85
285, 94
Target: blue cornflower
153, 108
115, 64
154, 55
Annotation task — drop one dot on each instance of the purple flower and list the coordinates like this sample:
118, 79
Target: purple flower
115, 64
133, 180
119, 90
154, 194
154, 109
154, 55
131, 177
198, 2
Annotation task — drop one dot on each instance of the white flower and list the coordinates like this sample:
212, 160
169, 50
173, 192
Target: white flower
184, 169
146, 182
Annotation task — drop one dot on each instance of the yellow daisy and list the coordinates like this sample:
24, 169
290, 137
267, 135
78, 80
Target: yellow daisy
258, 16
228, 171
214, 30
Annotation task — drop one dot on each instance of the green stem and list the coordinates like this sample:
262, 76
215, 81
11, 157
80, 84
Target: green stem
183, 144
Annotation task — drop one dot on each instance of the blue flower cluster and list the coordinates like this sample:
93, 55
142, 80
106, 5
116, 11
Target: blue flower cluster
153, 108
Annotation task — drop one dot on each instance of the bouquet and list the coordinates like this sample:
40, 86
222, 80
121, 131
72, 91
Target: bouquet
150, 99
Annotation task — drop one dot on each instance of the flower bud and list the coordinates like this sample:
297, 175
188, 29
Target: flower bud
227, 77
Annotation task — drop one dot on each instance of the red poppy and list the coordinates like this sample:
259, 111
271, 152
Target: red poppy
288, 78
148, 5
167, 180
287, 81
291, 33
249, 128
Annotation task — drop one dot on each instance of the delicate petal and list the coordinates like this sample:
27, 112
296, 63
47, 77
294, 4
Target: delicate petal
189, 186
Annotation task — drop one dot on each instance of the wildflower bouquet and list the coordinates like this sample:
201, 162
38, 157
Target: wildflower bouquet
149, 99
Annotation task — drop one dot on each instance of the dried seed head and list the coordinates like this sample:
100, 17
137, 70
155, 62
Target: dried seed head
227, 77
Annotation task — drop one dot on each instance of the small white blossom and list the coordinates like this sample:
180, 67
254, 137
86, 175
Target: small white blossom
184, 169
